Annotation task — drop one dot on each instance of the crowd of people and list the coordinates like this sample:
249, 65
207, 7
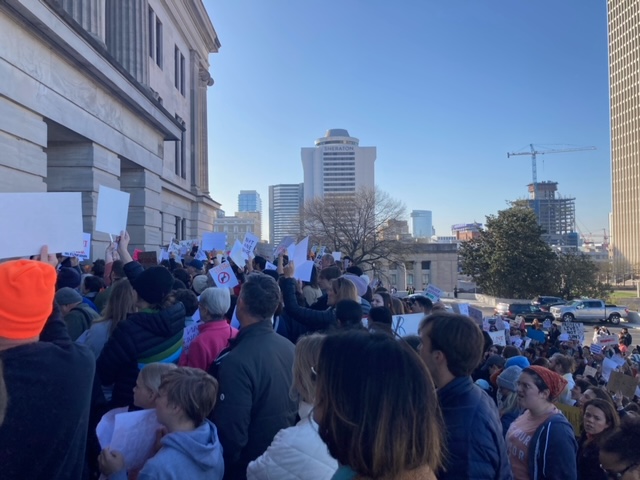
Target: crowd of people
292, 380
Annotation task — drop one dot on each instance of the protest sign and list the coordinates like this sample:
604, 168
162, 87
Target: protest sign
223, 275
433, 293
148, 259
492, 324
164, 255
131, 433
270, 266
186, 246
606, 340
214, 241
300, 253
590, 371
476, 314
499, 338
619, 382
304, 271
174, 247
83, 254
282, 246
575, 330
463, 308
537, 335
190, 333
237, 254
546, 324
337, 256
608, 366
31, 220
573, 415
249, 244
201, 255
404, 325
112, 210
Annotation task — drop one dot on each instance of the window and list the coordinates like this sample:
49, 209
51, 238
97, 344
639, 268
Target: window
394, 279
180, 166
426, 265
179, 70
410, 279
158, 48
425, 279
155, 37
181, 228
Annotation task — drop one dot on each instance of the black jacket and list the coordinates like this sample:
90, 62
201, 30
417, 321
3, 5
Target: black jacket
253, 404
313, 320
49, 387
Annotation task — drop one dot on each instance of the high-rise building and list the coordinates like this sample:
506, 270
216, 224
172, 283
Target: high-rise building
624, 58
337, 165
421, 224
250, 204
285, 209
556, 215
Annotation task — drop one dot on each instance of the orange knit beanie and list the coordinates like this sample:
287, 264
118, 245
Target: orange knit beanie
27, 288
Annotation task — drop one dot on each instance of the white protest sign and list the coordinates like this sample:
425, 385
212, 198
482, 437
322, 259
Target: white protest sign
589, 371
85, 253
433, 293
112, 211
300, 255
304, 270
223, 275
249, 244
282, 246
606, 340
214, 241
405, 325
164, 255
575, 330
337, 256
237, 254
132, 433
186, 246
270, 266
31, 220
201, 255
190, 333
174, 247
463, 308
499, 338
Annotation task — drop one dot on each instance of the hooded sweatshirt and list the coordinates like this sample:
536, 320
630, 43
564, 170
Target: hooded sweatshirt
194, 455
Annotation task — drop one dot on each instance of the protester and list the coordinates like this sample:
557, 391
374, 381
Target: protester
600, 419
77, 315
376, 423
152, 334
382, 299
420, 304
619, 453
90, 287
349, 315
48, 378
579, 388
255, 378
563, 365
298, 452
541, 441
310, 290
381, 321
215, 333
327, 261
190, 449
508, 396
452, 347
325, 278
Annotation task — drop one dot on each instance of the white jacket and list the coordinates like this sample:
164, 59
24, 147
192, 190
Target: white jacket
296, 453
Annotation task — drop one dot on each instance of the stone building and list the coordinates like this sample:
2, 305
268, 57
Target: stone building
110, 92
238, 226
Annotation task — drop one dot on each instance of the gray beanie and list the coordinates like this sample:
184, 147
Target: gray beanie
509, 378
67, 296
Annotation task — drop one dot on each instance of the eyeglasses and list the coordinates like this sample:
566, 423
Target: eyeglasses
617, 475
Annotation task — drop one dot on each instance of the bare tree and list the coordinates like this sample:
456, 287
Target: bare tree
362, 226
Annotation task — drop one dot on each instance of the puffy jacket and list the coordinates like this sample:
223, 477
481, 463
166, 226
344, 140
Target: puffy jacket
255, 376
296, 453
312, 319
142, 338
476, 446
213, 338
553, 451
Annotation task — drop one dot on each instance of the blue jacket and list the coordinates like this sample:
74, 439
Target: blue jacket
476, 446
553, 451
196, 455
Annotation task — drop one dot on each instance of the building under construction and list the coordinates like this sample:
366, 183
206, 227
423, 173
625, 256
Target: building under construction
556, 215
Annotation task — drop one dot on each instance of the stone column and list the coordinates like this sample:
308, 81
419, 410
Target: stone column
88, 13
201, 79
128, 36
144, 222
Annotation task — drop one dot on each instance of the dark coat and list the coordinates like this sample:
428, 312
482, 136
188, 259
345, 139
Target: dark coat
589, 461
255, 375
553, 450
313, 320
49, 385
475, 443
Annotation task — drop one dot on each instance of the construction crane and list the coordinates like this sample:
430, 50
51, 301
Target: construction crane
534, 167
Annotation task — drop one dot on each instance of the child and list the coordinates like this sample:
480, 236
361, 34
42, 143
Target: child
191, 448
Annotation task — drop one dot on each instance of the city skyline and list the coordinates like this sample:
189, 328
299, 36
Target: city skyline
444, 95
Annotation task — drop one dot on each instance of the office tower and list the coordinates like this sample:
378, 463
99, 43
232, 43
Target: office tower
337, 165
285, 209
421, 224
250, 207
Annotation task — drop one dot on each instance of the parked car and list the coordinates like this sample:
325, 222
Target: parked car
528, 311
588, 309
544, 302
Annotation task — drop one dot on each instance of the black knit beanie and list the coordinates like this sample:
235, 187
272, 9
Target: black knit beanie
153, 284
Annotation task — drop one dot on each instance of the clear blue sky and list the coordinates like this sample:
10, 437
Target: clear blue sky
443, 89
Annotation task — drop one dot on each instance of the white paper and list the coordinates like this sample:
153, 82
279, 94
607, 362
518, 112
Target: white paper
300, 254
575, 330
408, 324
337, 256
223, 276
214, 241
291, 251
237, 255
304, 270
85, 253
164, 255
200, 255
31, 220
112, 211
104, 429
270, 266
499, 338
249, 244
463, 308
190, 333
282, 246
134, 435
433, 293
608, 366
606, 340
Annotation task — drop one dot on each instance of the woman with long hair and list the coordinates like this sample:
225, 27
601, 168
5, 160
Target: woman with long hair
508, 396
540, 442
298, 452
375, 422
382, 299
599, 419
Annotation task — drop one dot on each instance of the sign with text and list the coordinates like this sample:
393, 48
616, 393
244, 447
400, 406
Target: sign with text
590, 371
606, 340
433, 293
404, 325
112, 210
499, 338
31, 220
476, 314
190, 333
83, 254
575, 330
223, 275
249, 244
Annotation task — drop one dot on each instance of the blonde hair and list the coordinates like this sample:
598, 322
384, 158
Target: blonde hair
191, 389
344, 289
303, 386
121, 303
151, 374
